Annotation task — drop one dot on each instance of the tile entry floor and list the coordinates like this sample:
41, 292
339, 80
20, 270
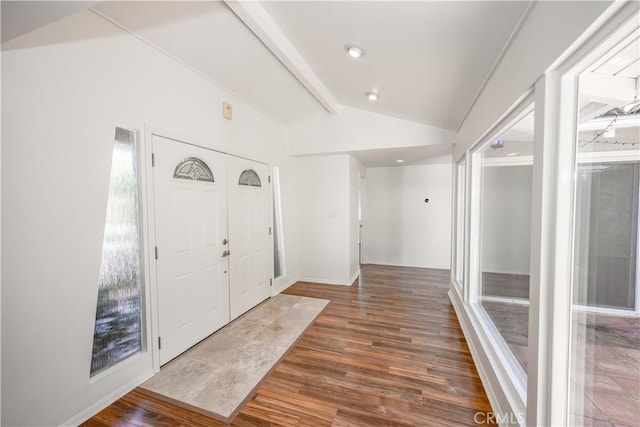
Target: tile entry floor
217, 375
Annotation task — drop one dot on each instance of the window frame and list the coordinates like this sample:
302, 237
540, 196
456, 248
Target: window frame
554, 197
508, 370
459, 229
142, 360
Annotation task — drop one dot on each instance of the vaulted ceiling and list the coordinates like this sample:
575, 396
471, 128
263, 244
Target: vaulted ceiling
428, 60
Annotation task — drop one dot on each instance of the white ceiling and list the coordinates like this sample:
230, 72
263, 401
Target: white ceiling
428, 59
20, 17
207, 36
429, 154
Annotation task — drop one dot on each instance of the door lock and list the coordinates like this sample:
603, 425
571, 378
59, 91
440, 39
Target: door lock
226, 254
225, 241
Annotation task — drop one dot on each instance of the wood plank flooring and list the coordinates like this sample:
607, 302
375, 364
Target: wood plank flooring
387, 351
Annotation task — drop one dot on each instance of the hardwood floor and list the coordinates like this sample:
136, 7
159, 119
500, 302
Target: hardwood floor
388, 350
505, 285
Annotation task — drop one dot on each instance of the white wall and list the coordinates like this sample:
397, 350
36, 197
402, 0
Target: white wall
324, 217
506, 219
400, 228
64, 89
550, 29
354, 130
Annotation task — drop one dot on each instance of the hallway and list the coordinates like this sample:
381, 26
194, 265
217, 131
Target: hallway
388, 350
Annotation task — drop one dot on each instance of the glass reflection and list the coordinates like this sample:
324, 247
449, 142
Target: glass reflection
506, 191
605, 341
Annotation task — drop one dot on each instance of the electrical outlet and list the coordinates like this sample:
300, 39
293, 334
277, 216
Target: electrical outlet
227, 111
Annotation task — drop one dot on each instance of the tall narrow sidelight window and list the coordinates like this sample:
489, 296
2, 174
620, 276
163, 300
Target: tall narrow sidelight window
278, 239
118, 332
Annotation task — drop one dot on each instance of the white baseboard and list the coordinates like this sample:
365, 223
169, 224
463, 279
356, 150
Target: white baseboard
482, 372
328, 281
89, 412
510, 273
606, 311
355, 276
390, 264
500, 402
275, 292
505, 300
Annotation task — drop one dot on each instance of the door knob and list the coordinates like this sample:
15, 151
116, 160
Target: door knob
226, 253
225, 241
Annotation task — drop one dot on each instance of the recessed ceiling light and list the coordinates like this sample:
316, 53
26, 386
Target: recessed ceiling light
354, 51
399, 161
373, 96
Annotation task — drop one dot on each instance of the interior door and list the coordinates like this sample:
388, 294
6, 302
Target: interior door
190, 197
250, 239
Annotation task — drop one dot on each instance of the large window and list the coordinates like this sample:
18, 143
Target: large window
117, 332
605, 339
553, 221
503, 192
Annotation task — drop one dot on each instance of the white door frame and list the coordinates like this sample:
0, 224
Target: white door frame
150, 299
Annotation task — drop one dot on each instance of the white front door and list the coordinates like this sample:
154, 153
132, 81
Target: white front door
190, 197
250, 239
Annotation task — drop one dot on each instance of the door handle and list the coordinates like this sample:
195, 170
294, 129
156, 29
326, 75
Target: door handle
225, 241
225, 254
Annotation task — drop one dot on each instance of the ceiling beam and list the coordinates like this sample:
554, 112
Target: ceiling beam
260, 23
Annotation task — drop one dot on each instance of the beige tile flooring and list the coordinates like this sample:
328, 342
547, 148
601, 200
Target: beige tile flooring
217, 375
608, 351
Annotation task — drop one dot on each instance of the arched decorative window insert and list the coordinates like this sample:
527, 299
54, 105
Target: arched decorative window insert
249, 177
194, 169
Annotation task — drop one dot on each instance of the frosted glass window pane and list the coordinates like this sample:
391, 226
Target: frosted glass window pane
117, 332
194, 169
249, 177
278, 239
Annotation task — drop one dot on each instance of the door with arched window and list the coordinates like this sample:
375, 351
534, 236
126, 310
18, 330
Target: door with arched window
250, 234
190, 190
